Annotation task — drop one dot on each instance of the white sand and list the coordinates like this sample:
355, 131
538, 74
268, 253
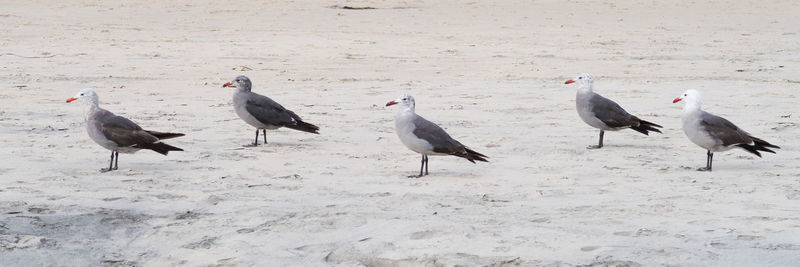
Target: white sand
490, 73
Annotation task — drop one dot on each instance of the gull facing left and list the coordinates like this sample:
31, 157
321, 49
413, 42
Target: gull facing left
715, 133
425, 137
603, 113
117, 133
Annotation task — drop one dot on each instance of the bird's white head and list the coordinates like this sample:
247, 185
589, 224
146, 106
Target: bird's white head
690, 97
585, 80
404, 101
241, 82
86, 95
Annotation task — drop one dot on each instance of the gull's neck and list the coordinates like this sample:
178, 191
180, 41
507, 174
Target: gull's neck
90, 106
404, 111
691, 106
585, 88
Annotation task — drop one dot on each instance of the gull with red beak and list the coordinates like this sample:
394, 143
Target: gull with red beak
425, 137
119, 134
715, 133
262, 112
604, 114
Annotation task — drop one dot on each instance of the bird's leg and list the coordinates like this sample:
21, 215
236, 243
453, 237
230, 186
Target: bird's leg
110, 164
426, 164
265, 136
116, 160
255, 143
599, 143
421, 166
709, 158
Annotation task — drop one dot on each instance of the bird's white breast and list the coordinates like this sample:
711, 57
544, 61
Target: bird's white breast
698, 134
240, 107
404, 125
584, 108
93, 129
96, 134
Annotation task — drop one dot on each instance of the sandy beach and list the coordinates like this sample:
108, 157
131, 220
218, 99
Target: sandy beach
490, 73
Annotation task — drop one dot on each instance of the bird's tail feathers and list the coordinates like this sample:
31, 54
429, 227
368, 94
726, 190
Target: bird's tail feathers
472, 155
763, 143
646, 127
304, 126
159, 147
758, 145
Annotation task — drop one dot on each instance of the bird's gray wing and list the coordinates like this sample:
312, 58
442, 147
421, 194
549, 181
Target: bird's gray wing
293, 115
610, 113
121, 130
724, 130
268, 111
436, 136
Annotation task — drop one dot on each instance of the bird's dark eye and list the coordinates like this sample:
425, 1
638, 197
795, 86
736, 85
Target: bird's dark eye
580, 78
684, 94
81, 94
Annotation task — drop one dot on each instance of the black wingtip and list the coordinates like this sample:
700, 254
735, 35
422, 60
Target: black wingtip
763, 144
649, 123
159, 147
305, 127
751, 149
758, 145
473, 155
161, 135
645, 127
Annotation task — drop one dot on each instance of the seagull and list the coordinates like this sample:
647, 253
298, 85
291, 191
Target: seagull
604, 114
715, 133
119, 134
425, 137
262, 112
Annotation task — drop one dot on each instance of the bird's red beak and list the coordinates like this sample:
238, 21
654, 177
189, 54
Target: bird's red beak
391, 103
677, 100
71, 99
228, 84
569, 82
